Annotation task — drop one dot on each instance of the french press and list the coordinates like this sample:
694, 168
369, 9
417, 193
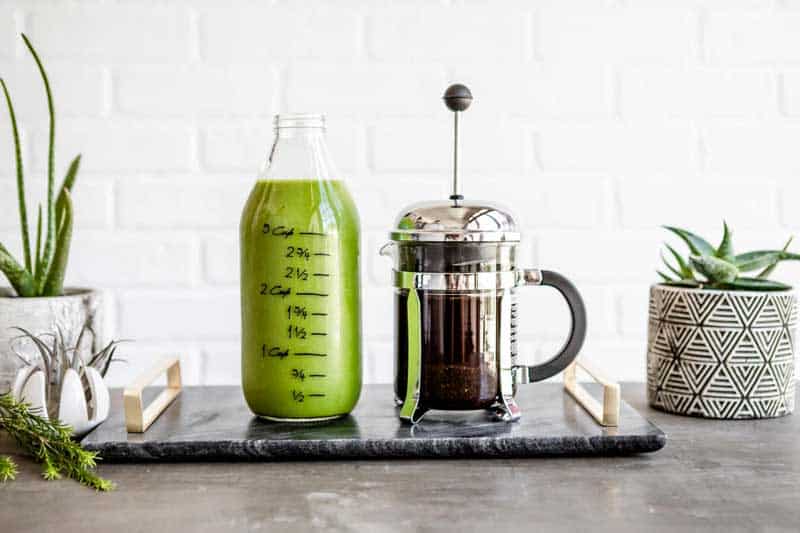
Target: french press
455, 282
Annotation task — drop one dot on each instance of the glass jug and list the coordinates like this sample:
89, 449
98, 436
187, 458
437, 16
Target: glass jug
456, 317
299, 252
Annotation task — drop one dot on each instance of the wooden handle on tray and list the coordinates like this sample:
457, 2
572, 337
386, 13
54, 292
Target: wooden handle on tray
138, 417
606, 414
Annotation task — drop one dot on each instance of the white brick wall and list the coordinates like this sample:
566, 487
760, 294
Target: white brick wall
596, 121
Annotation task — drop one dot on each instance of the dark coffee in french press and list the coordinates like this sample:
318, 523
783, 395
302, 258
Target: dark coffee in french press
455, 279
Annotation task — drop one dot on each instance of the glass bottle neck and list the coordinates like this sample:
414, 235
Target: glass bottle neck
299, 150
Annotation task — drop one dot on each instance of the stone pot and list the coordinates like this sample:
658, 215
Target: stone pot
46, 315
721, 354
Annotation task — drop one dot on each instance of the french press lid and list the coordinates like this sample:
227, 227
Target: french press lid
455, 220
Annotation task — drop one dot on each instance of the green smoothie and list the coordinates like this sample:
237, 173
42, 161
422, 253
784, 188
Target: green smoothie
301, 321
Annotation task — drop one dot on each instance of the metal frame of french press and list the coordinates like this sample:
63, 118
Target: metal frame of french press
458, 98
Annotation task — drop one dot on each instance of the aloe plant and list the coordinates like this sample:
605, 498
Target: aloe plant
43, 271
720, 268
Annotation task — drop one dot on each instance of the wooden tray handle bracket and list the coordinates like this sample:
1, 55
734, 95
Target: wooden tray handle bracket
138, 417
607, 413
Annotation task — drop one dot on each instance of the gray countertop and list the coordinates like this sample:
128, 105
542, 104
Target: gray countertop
742, 475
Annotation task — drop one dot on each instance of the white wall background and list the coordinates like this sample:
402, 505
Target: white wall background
595, 121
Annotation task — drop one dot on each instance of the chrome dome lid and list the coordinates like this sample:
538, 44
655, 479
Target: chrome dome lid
465, 222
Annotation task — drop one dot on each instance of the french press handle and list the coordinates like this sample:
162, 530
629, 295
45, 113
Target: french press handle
577, 334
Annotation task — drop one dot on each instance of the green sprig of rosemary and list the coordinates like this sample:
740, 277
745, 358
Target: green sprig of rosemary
8, 468
50, 443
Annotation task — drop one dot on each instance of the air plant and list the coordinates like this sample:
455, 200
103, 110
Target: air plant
720, 268
45, 265
54, 358
38, 431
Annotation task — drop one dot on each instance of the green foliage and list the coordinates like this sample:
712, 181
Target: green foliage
725, 248
719, 267
44, 268
50, 443
8, 468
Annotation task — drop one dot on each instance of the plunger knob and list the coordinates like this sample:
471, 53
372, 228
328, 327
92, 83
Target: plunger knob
457, 97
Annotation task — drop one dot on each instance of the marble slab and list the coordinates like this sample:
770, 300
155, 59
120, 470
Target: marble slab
214, 423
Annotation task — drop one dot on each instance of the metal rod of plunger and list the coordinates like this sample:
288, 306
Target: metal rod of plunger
457, 98
456, 194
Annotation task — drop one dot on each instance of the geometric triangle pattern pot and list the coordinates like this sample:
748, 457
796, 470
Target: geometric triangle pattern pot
721, 354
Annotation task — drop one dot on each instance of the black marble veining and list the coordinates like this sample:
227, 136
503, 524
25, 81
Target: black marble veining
213, 423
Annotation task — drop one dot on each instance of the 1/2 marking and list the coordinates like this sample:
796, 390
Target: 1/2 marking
296, 273
296, 332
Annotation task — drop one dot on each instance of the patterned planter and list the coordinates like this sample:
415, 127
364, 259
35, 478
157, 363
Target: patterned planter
44, 315
721, 354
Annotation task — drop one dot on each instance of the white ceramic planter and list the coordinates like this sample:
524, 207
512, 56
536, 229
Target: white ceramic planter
721, 354
66, 314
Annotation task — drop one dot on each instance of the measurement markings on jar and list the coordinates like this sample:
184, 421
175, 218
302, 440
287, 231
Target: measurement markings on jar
321, 275
320, 294
275, 351
300, 373
315, 233
318, 333
316, 395
322, 254
319, 314
310, 354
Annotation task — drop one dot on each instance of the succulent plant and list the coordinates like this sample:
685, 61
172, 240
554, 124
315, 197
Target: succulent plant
43, 270
720, 268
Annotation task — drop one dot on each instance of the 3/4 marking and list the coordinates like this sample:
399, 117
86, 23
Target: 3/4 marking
302, 253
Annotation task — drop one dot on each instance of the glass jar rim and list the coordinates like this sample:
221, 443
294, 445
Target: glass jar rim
299, 120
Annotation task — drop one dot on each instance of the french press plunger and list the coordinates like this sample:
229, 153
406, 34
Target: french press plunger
455, 281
